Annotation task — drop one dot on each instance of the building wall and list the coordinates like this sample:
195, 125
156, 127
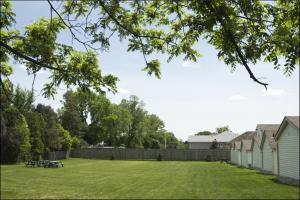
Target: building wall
275, 163
239, 158
256, 156
232, 156
199, 145
288, 152
267, 157
249, 158
244, 157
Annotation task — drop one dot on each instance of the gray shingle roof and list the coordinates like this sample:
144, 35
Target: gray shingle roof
294, 120
247, 144
269, 134
246, 135
238, 145
268, 127
222, 137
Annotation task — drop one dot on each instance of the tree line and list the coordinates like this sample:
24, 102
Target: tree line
30, 131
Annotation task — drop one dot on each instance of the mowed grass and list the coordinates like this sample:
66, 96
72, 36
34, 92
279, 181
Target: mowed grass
84, 178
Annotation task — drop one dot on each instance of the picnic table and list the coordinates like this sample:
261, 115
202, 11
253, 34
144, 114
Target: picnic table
44, 163
31, 163
53, 164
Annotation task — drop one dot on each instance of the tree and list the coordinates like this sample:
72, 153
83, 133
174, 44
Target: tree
98, 110
214, 144
171, 27
38, 49
51, 139
222, 129
73, 113
204, 133
23, 100
15, 142
36, 125
65, 138
134, 134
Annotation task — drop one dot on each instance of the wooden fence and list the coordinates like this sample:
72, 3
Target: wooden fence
151, 154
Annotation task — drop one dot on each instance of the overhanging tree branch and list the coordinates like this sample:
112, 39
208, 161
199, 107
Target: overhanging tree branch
233, 41
29, 59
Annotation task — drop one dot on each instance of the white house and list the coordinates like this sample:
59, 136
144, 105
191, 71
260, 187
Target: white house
238, 146
287, 138
257, 154
205, 141
235, 153
244, 162
247, 145
269, 152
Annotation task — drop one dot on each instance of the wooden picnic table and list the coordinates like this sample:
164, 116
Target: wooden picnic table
54, 164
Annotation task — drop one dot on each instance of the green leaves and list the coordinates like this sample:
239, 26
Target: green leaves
153, 67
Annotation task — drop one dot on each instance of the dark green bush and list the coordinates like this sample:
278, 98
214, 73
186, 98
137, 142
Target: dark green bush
112, 157
208, 158
159, 157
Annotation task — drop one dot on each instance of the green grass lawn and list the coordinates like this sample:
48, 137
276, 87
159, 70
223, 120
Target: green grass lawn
83, 178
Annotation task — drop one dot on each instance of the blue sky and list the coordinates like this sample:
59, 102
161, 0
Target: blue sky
190, 96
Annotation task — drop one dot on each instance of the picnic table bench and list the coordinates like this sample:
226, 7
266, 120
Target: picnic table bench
30, 163
53, 164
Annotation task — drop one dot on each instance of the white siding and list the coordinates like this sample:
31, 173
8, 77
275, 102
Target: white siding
231, 156
288, 152
235, 158
256, 156
244, 157
249, 157
239, 158
275, 163
267, 157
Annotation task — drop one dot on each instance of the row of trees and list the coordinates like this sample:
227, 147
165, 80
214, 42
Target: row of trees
96, 120
29, 131
86, 118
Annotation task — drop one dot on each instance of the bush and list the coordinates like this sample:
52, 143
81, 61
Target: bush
112, 157
208, 158
159, 157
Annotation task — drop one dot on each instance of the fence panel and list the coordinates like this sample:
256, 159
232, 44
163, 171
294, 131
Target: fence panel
151, 154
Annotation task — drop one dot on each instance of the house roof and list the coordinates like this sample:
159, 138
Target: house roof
247, 144
294, 120
257, 139
269, 137
226, 136
246, 135
238, 145
267, 126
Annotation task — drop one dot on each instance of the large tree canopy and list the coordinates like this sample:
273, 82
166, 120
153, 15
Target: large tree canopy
243, 32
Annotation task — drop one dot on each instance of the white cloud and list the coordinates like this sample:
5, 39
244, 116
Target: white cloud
189, 64
123, 91
274, 92
237, 97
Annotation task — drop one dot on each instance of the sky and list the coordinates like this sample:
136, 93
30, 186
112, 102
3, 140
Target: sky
190, 97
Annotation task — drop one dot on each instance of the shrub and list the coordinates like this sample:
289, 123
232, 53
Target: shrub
208, 158
159, 157
112, 157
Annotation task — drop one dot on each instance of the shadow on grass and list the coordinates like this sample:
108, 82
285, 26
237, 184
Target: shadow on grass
275, 180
